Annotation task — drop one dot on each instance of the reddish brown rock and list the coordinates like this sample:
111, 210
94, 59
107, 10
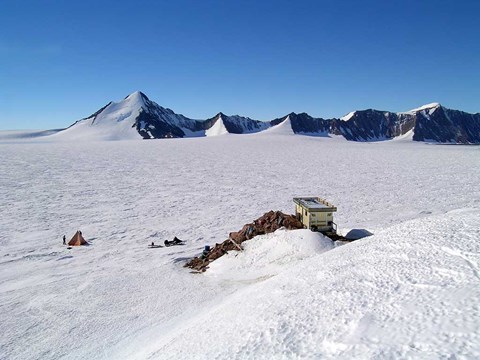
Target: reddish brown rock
269, 222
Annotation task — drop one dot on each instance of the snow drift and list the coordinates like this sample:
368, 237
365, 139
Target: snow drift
409, 291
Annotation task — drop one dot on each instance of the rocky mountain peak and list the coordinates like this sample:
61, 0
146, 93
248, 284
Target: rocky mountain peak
430, 106
137, 115
137, 96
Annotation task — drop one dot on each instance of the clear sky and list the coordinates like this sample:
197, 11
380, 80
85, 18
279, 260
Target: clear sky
62, 60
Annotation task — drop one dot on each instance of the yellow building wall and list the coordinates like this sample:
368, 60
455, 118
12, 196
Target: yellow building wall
306, 218
318, 218
329, 217
313, 218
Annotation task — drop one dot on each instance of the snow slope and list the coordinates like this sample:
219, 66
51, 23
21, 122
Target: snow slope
425, 107
15, 135
218, 128
407, 137
268, 255
411, 290
116, 122
284, 128
348, 116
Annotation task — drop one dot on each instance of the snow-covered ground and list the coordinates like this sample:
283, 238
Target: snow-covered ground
410, 290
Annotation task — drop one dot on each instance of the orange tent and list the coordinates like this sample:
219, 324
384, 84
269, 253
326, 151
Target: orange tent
77, 240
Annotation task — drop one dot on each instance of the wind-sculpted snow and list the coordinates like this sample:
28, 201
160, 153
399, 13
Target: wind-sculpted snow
121, 300
410, 291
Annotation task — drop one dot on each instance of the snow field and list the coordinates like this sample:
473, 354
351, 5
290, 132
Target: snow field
411, 291
126, 301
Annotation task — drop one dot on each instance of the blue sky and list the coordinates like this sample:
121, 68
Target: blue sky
62, 60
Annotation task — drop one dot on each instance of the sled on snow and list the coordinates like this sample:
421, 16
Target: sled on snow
174, 242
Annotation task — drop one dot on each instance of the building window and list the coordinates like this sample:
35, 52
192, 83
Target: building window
313, 214
329, 214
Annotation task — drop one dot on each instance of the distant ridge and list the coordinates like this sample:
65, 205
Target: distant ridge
138, 117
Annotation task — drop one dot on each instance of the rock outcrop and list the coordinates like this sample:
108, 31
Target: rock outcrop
268, 223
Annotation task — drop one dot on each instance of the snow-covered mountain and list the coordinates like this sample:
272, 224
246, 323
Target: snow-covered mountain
429, 123
373, 125
235, 124
437, 123
304, 124
137, 117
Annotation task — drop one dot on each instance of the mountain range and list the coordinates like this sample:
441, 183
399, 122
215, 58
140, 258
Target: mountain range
137, 116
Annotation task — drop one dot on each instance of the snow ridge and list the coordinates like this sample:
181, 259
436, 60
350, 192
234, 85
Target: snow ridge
426, 107
284, 128
348, 116
218, 127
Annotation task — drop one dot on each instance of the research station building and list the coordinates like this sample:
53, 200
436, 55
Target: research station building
315, 213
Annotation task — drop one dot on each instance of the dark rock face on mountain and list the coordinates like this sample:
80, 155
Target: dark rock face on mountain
236, 124
374, 125
150, 126
366, 125
447, 126
431, 123
307, 125
154, 121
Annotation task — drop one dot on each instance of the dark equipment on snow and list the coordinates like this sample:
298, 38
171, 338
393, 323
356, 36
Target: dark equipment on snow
175, 241
205, 252
155, 246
